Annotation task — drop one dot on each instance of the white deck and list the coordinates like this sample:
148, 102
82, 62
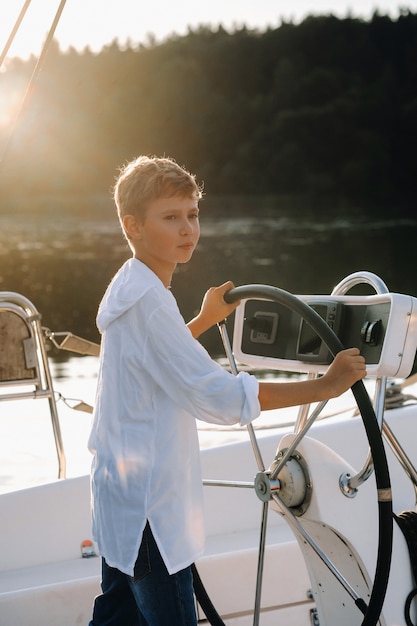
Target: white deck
44, 580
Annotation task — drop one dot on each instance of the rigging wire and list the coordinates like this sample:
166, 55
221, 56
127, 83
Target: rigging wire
33, 78
14, 31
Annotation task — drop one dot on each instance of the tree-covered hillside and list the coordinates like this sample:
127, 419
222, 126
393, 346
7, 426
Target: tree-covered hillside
323, 113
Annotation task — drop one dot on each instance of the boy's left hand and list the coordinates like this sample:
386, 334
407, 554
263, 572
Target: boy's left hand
213, 307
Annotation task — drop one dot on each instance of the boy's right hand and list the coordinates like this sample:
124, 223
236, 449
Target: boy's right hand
345, 370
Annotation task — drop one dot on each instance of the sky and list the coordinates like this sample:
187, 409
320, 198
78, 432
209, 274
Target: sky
95, 23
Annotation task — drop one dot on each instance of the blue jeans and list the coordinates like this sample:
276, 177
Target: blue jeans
152, 597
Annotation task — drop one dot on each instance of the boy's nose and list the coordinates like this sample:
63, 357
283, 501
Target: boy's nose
186, 227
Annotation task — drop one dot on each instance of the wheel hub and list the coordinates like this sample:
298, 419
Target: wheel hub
292, 485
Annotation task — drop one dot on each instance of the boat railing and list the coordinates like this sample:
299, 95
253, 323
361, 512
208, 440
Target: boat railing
351, 483
24, 367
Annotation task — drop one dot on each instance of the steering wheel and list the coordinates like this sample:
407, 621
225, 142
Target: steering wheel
372, 610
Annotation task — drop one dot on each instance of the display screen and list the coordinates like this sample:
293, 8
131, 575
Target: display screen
309, 342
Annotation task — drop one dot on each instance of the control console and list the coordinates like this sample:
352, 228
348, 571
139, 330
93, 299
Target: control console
269, 335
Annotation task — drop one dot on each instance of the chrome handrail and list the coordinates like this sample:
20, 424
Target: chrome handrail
15, 302
349, 484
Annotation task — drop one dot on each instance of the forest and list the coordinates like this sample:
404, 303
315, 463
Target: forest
320, 114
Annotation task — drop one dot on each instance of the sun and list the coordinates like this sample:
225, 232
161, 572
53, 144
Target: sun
28, 41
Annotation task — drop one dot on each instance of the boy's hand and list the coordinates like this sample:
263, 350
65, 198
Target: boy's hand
347, 368
213, 309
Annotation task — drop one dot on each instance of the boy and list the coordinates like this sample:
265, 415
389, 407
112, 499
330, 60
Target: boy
155, 379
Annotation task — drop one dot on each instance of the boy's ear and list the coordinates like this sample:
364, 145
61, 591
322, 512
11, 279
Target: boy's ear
132, 227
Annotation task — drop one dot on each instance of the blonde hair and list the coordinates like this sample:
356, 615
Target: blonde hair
147, 178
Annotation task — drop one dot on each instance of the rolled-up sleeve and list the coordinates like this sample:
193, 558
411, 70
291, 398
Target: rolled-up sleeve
251, 409
186, 372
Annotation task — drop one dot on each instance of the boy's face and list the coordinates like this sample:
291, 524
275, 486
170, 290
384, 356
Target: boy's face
168, 234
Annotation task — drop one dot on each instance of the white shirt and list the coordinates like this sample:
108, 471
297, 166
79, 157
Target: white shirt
154, 380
